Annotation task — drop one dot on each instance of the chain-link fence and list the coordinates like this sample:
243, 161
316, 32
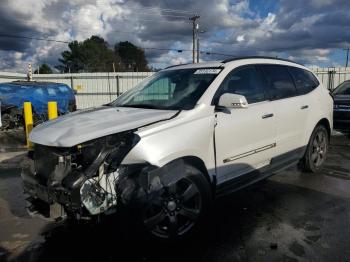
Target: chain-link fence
92, 89
331, 77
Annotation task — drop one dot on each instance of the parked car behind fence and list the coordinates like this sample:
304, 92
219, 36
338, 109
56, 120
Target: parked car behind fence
341, 95
14, 94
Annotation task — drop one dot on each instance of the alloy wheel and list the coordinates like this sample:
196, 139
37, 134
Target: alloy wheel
319, 148
176, 211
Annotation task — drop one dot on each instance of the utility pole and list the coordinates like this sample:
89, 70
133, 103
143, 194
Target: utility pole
347, 56
195, 27
197, 49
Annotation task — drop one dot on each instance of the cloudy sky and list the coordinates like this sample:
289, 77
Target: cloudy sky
313, 32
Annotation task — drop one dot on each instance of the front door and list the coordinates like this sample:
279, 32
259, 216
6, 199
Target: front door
244, 137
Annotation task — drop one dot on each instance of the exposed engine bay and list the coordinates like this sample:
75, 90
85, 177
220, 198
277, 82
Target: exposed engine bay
88, 179
82, 178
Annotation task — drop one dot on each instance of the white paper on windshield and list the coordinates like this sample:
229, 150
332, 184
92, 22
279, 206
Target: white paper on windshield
206, 71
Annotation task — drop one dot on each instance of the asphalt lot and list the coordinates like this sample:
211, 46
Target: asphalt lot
292, 217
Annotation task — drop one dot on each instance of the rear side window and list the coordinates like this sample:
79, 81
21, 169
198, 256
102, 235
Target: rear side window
279, 81
63, 89
304, 80
244, 81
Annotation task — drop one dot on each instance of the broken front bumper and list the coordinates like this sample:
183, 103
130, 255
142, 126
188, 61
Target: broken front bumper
51, 203
83, 197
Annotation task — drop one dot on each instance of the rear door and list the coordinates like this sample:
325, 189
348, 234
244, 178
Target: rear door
305, 83
289, 116
244, 137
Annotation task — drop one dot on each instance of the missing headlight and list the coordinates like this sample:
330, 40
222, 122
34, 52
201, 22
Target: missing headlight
98, 193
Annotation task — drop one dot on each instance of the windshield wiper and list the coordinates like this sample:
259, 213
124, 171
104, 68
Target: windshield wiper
139, 106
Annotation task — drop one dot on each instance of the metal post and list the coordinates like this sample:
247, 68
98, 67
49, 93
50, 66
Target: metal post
28, 122
52, 110
72, 82
331, 80
118, 85
109, 88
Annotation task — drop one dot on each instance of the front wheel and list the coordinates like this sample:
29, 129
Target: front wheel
317, 150
181, 207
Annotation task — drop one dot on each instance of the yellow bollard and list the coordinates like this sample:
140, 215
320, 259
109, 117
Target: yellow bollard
28, 121
52, 110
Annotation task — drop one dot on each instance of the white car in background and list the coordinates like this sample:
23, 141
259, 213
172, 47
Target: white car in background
182, 137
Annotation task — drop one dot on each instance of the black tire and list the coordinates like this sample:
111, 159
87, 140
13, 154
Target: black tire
181, 209
6, 122
316, 151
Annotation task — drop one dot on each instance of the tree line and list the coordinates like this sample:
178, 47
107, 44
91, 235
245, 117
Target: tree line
96, 55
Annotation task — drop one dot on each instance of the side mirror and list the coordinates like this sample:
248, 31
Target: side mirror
228, 100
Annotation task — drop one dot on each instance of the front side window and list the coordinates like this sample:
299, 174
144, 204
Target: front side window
342, 89
171, 89
244, 81
304, 80
279, 81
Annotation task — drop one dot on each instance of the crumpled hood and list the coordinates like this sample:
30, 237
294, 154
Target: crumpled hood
85, 125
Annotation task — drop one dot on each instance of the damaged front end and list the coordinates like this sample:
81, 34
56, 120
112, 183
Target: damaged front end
81, 181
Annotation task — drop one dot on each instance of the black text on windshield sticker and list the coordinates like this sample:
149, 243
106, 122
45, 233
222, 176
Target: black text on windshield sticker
206, 71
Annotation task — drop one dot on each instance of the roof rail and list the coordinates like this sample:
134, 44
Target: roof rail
176, 65
258, 57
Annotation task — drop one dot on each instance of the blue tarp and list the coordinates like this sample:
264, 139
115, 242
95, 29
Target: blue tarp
38, 93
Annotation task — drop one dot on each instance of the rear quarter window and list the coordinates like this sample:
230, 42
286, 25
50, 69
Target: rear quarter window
64, 89
304, 80
279, 81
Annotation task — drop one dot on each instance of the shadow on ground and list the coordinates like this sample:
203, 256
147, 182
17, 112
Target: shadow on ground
273, 222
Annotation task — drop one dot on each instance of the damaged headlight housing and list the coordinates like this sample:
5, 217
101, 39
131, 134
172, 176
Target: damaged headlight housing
98, 193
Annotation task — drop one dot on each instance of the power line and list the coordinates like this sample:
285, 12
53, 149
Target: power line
186, 50
144, 48
161, 15
145, 8
33, 38
153, 20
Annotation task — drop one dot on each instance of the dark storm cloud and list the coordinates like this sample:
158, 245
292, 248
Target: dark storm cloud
12, 25
296, 28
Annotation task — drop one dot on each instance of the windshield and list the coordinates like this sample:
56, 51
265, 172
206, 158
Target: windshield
342, 89
171, 89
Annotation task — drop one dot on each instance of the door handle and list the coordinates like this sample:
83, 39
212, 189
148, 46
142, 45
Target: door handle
267, 116
304, 107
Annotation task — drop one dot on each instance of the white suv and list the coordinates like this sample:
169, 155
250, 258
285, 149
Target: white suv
185, 135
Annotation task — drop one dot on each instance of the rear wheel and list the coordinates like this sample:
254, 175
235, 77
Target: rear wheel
317, 150
181, 208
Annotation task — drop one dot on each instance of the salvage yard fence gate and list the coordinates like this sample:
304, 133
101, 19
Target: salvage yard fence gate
94, 89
